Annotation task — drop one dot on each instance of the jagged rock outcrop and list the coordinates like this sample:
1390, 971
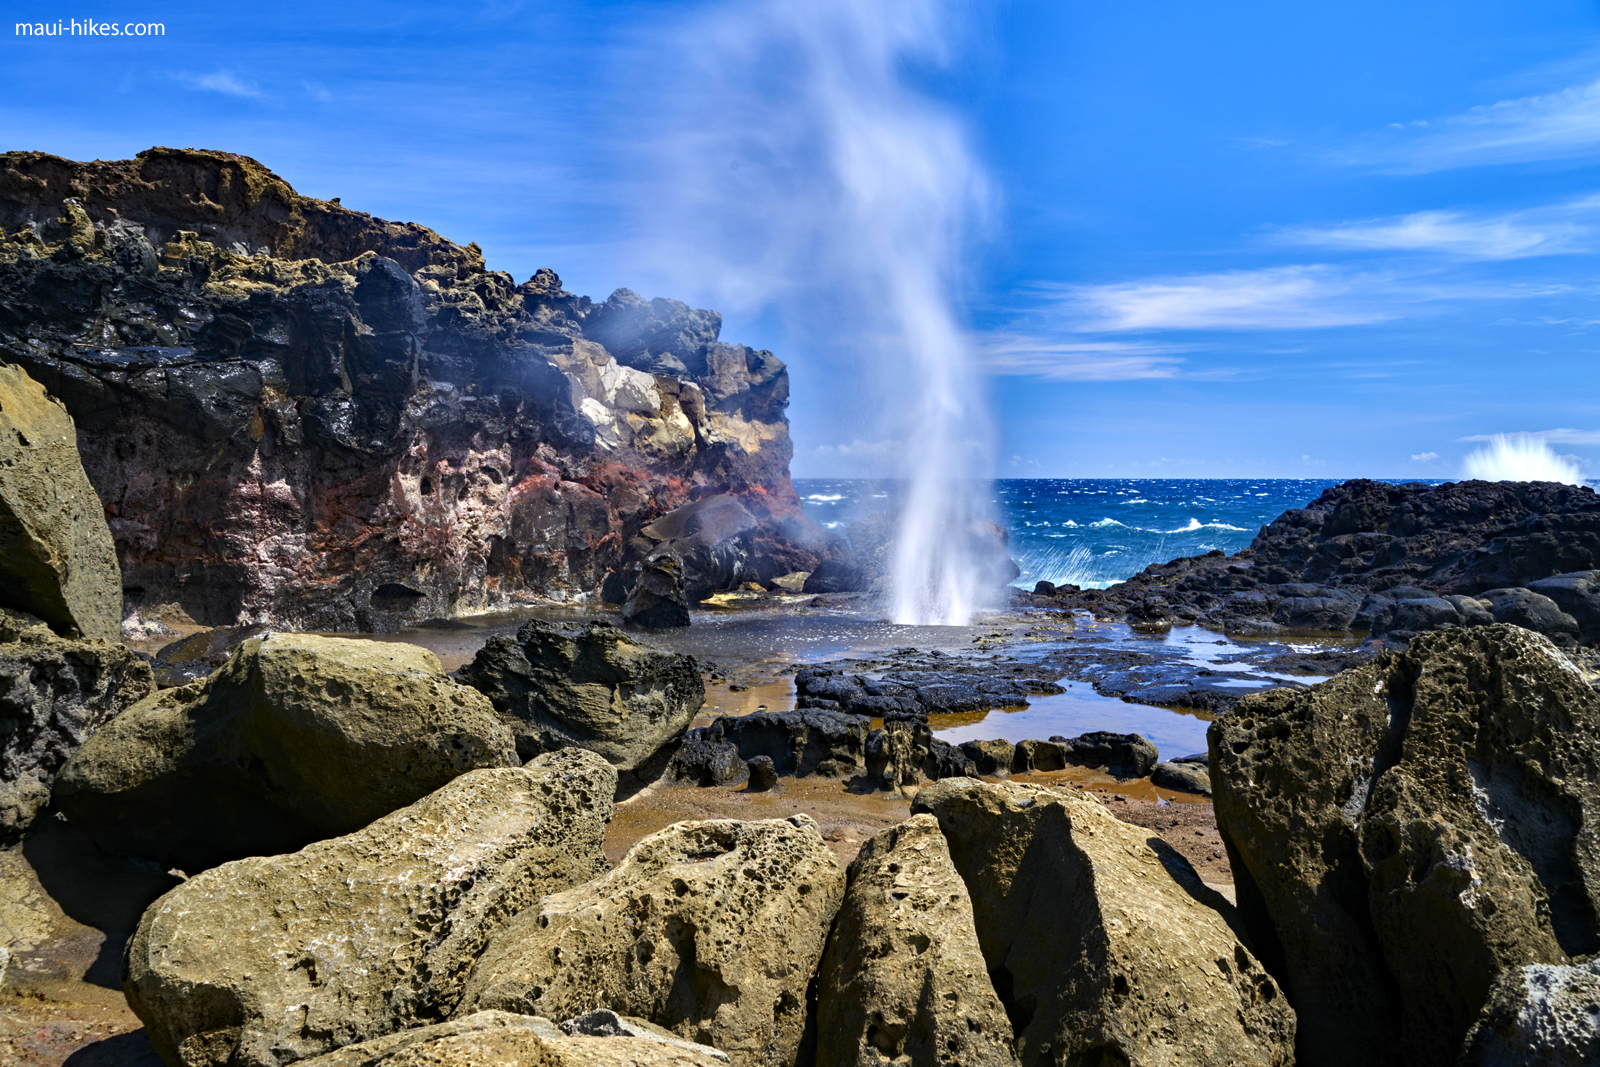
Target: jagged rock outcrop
57, 561
799, 743
1101, 941
298, 738
265, 961
495, 1038
903, 980
710, 929
1395, 559
1402, 834
913, 695
586, 685
1539, 1016
657, 600
299, 414
54, 693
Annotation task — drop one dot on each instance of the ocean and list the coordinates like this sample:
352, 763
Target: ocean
1094, 532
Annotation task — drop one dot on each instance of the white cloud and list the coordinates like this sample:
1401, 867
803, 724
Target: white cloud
1557, 229
221, 81
1024, 355
1276, 298
1425, 457
1559, 436
1559, 125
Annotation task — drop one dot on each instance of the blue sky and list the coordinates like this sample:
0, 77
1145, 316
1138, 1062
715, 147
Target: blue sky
1198, 239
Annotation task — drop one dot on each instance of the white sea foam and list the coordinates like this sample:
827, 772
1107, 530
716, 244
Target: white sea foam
1101, 523
1196, 524
1520, 457
829, 499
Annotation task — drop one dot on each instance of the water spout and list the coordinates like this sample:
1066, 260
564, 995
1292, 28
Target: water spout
1520, 458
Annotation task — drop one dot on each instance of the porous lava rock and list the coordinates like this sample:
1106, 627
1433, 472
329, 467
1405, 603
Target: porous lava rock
1122, 755
1391, 559
1183, 777
268, 960
587, 685
799, 743
903, 979
299, 414
703, 762
710, 929
189, 659
1403, 833
57, 561
1539, 1015
1100, 940
54, 693
657, 600
297, 738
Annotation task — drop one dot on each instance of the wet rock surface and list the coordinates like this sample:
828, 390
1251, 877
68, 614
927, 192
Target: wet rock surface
913, 694
353, 423
903, 979
709, 929
586, 685
298, 738
1390, 559
269, 960
59, 562
1102, 943
1402, 834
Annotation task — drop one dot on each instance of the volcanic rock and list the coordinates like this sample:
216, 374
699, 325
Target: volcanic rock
1038, 756
703, 762
799, 743
991, 758
712, 539
586, 685
272, 959
54, 693
299, 414
1183, 777
710, 929
298, 738
1540, 1015
903, 979
197, 656
913, 694
57, 561
1100, 940
1403, 833
763, 774
1122, 755
657, 600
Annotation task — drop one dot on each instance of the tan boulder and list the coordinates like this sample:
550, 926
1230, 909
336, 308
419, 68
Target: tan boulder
268, 960
297, 738
710, 929
1100, 939
501, 1039
903, 979
57, 560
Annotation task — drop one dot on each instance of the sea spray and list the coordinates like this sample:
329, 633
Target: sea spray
792, 165
1520, 457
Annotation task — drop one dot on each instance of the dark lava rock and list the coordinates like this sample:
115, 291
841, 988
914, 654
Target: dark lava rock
588, 686
1403, 833
1184, 777
712, 540
763, 774
1369, 555
912, 694
799, 743
1540, 1015
198, 655
835, 576
657, 600
704, 762
1122, 755
1532, 611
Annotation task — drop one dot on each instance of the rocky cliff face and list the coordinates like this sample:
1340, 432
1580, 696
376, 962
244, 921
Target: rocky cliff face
297, 413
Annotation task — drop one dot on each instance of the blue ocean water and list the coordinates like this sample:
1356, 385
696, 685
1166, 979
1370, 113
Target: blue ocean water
1092, 532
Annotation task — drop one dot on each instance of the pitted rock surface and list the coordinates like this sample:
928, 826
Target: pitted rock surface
1406, 831
1101, 941
1539, 1016
269, 960
903, 979
587, 685
298, 738
710, 929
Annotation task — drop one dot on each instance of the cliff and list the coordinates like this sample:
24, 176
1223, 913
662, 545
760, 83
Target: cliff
300, 414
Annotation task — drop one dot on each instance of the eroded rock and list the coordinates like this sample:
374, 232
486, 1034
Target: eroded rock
587, 685
799, 743
903, 980
297, 738
268, 960
1101, 941
710, 929
1539, 1016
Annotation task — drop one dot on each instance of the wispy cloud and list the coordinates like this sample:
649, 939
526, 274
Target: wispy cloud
1025, 355
1559, 125
1559, 437
1567, 228
221, 81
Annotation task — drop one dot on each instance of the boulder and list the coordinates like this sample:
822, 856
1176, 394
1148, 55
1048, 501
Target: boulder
1539, 1015
836, 576
903, 980
298, 738
189, 659
1100, 940
799, 743
710, 929
587, 685
54, 693
56, 555
1183, 777
1038, 756
1403, 833
494, 1038
704, 762
1577, 595
991, 758
711, 539
1532, 611
657, 600
1122, 755
268, 960
763, 775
